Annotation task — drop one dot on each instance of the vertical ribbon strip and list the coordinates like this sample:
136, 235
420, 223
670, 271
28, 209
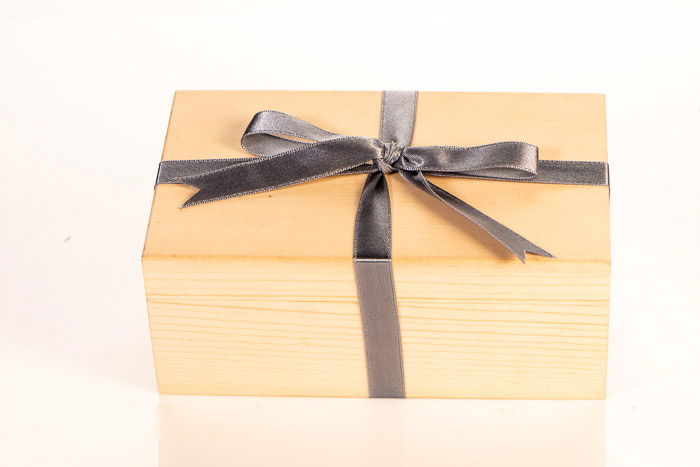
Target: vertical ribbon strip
372, 256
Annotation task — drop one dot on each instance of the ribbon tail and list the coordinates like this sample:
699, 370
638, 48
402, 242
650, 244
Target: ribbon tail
300, 165
515, 243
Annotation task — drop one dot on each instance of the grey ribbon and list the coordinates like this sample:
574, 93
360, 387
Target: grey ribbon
293, 151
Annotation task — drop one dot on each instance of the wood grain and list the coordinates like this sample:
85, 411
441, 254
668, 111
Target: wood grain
256, 295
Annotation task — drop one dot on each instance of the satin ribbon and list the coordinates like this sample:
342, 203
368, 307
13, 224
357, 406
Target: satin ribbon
292, 151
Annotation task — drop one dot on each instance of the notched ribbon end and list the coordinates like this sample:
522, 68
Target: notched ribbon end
517, 244
204, 196
193, 200
201, 196
533, 249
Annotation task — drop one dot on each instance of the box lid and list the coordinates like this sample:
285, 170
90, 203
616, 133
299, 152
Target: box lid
316, 219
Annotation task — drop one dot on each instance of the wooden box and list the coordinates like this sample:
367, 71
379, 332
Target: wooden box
256, 295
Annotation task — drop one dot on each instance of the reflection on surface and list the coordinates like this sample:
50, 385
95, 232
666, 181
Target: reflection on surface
256, 431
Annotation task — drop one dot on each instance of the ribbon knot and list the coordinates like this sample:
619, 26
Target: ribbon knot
391, 153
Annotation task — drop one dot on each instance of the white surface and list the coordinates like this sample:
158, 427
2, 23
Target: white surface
85, 91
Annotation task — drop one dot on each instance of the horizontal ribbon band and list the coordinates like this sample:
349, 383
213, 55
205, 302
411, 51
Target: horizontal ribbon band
292, 151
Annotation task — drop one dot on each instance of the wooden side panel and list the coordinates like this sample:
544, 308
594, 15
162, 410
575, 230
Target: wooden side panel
233, 327
292, 328
509, 331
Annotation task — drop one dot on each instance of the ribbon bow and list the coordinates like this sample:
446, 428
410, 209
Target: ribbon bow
293, 151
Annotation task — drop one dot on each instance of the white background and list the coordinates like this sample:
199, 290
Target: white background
85, 92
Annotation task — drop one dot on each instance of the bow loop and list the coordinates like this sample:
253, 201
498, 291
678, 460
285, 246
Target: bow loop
271, 132
511, 160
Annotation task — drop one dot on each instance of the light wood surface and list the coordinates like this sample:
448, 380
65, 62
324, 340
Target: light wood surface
256, 295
